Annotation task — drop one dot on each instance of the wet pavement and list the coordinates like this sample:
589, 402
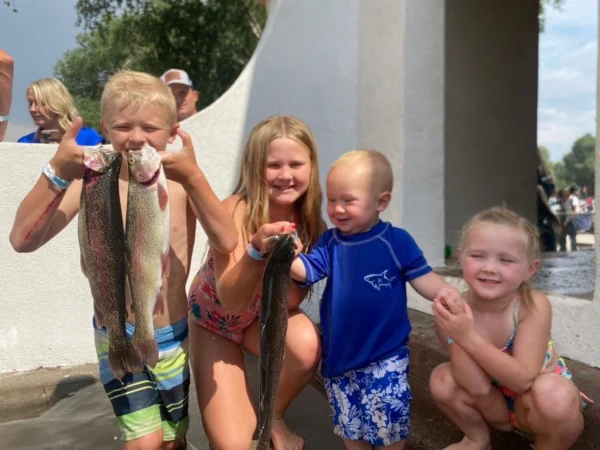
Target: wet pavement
67, 409
571, 273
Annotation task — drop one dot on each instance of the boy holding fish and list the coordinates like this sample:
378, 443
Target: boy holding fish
364, 315
137, 111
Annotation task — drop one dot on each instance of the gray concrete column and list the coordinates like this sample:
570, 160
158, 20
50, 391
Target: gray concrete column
491, 108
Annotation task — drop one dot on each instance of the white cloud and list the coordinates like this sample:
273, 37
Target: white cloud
558, 130
568, 75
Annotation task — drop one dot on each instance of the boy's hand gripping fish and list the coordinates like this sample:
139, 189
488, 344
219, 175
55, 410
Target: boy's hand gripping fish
147, 235
101, 242
273, 328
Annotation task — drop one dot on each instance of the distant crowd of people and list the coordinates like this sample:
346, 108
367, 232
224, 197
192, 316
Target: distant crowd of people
561, 213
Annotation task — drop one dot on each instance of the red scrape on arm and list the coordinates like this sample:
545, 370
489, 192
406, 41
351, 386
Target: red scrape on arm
44, 214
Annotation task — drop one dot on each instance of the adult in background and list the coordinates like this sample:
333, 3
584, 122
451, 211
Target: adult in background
572, 206
182, 88
548, 223
7, 66
53, 111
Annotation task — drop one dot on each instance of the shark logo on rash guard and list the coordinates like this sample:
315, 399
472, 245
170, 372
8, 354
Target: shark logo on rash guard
379, 280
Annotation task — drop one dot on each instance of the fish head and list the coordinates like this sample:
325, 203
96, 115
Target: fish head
143, 164
282, 247
99, 158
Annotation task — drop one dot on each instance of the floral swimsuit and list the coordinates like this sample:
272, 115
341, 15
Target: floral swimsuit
207, 310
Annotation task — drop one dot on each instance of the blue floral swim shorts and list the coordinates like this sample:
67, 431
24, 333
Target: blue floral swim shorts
373, 403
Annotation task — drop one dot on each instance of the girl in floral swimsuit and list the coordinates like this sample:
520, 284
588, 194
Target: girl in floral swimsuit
278, 190
504, 368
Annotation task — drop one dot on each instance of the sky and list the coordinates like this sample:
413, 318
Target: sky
42, 30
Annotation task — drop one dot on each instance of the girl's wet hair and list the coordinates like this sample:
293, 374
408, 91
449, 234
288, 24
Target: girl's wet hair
53, 95
506, 217
252, 187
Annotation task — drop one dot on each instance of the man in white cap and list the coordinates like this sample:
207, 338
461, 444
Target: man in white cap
183, 90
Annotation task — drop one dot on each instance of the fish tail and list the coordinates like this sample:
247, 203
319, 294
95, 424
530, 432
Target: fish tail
147, 350
123, 358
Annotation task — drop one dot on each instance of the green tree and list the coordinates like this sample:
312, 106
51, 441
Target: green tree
579, 165
556, 4
212, 40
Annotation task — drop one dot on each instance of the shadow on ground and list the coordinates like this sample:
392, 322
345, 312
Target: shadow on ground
67, 409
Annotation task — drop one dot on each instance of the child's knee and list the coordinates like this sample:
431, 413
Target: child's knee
152, 441
177, 444
555, 398
305, 346
442, 384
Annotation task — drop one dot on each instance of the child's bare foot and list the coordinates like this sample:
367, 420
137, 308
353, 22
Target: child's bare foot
468, 444
283, 438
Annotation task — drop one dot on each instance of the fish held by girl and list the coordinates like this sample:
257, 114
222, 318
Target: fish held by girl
273, 327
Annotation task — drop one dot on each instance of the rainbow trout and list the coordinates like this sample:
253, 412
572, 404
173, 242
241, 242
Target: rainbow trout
273, 327
101, 242
147, 234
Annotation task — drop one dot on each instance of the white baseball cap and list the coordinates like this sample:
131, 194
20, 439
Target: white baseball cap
176, 76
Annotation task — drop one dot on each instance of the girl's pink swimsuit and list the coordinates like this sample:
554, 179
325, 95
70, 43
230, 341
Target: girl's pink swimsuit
207, 311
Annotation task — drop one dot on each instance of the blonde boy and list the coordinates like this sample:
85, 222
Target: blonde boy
364, 314
137, 109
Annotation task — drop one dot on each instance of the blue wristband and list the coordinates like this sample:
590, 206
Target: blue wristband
4, 119
57, 181
254, 254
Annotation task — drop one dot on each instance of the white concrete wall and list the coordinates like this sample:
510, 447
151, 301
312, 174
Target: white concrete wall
424, 126
360, 73
305, 65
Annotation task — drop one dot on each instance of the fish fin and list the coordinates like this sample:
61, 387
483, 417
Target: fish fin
148, 351
163, 196
123, 358
166, 264
159, 305
82, 263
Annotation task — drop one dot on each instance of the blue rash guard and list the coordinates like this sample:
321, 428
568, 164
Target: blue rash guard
86, 136
364, 312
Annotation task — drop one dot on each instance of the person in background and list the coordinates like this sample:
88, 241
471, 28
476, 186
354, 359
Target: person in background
548, 222
571, 207
53, 111
7, 66
182, 88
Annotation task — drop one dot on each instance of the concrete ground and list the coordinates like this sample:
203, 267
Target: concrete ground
67, 408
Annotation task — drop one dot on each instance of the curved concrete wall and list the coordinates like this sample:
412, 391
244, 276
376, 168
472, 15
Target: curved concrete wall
360, 73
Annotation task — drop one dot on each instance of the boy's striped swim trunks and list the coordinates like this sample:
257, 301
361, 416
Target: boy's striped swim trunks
156, 398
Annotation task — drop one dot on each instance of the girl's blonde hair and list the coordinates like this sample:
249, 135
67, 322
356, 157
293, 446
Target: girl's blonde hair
252, 187
51, 94
129, 88
506, 217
